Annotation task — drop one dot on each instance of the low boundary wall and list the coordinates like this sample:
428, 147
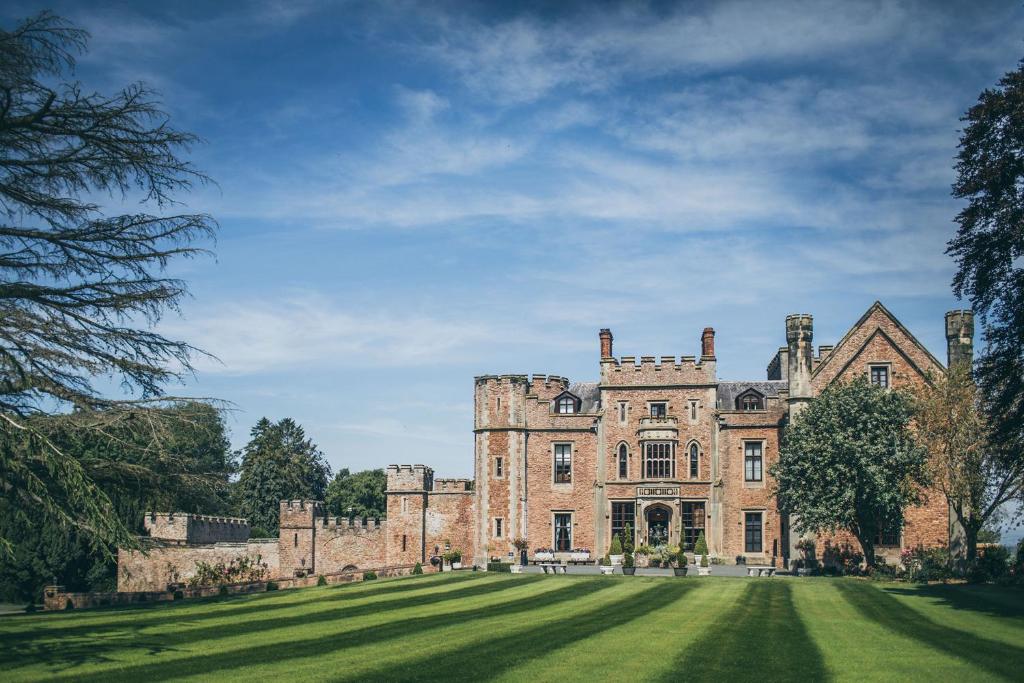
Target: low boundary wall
55, 598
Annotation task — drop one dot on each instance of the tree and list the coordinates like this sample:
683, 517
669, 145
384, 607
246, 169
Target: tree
362, 494
849, 461
976, 478
279, 463
80, 290
989, 249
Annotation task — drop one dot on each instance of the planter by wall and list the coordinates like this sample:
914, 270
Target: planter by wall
703, 571
629, 571
679, 571
616, 559
607, 570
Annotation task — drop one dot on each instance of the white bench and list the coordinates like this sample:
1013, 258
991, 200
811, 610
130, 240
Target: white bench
760, 571
554, 568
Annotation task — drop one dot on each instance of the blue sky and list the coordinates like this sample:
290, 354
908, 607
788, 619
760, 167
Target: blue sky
412, 194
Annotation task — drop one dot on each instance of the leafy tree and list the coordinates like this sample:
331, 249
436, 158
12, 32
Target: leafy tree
79, 289
850, 461
964, 464
363, 493
989, 248
279, 463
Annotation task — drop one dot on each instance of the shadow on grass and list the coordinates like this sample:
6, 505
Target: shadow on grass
142, 616
761, 637
275, 651
95, 647
491, 658
995, 657
991, 600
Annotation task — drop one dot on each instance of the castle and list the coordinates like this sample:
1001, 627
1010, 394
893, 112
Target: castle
662, 446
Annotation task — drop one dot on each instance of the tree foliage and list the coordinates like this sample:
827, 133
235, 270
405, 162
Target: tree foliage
989, 247
279, 463
964, 464
849, 461
360, 495
79, 289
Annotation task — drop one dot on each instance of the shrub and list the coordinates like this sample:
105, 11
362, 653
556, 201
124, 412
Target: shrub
30, 608
680, 558
68, 604
643, 549
924, 565
991, 564
418, 569
704, 560
223, 590
178, 595
499, 567
701, 547
616, 547
238, 570
606, 561
520, 544
271, 586
321, 580
369, 576
627, 535
627, 560
453, 556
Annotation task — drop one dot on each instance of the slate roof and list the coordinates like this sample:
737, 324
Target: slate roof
728, 391
588, 394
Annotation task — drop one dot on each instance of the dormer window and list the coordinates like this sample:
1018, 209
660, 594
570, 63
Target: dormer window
566, 404
750, 400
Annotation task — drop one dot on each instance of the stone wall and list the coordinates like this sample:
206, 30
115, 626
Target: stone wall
189, 528
162, 564
347, 545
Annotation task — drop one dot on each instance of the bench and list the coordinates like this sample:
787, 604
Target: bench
760, 571
552, 567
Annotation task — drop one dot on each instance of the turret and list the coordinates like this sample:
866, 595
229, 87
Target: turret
799, 337
959, 337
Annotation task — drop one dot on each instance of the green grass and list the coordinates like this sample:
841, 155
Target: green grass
499, 626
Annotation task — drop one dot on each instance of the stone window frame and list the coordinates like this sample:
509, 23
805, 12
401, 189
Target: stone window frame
619, 462
651, 404
670, 459
689, 463
623, 412
497, 528
754, 483
499, 467
743, 522
694, 411
883, 365
554, 528
554, 462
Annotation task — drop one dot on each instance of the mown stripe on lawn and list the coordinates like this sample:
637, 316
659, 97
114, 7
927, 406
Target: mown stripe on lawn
996, 657
761, 636
277, 649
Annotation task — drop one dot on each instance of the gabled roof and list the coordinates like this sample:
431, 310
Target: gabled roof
728, 392
839, 350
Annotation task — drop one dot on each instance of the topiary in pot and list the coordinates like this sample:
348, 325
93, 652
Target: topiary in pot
627, 565
701, 547
418, 569
627, 535
680, 568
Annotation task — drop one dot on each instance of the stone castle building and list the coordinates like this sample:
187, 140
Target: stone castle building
662, 445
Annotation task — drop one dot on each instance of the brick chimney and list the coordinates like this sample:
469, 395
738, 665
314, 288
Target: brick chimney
606, 343
707, 343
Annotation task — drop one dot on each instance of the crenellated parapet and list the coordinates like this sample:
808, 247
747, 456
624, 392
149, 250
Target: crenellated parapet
546, 387
409, 478
453, 485
658, 371
352, 525
189, 528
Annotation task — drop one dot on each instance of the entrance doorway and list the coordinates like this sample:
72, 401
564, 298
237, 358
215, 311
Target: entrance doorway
658, 518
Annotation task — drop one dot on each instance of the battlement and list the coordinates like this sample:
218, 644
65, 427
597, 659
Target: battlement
300, 513
410, 478
499, 379
453, 485
653, 370
543, 385
799, 327
959, 323
195, 529
342, 525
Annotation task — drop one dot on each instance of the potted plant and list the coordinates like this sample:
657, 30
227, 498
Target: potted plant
521, 544
704, 569
544, 554
454, 558
627, 538
615, 551
606, 565
627, 564
680, 569
700, 549
580, 555
641, 557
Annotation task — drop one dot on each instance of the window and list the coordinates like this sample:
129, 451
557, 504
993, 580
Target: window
622, 411
693, 410
296, 540
566, 405
623, 461
880, 376
694, 461
499, 467
693, 524
660, 460
752, 536
563, 463
497, 527
405, 503
563, 532
751, 400
403, 543
623, 514
888, 534
753, 461
659, 410
499, 404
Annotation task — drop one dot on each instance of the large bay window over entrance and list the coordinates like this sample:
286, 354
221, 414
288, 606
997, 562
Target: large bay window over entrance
623, 514
660, 460
693, 524
563, 532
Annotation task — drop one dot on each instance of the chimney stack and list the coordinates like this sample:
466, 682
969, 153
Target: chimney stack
799, 338
606, 343
959, 337
707, 343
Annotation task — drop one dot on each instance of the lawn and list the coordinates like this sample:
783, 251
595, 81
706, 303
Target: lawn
474, 626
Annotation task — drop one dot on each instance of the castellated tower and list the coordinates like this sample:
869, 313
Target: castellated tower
297, 536
408, 487
959, 337
499, 403
799, 337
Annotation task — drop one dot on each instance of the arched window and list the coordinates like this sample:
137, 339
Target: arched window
694, 461
623, 461
566, 405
